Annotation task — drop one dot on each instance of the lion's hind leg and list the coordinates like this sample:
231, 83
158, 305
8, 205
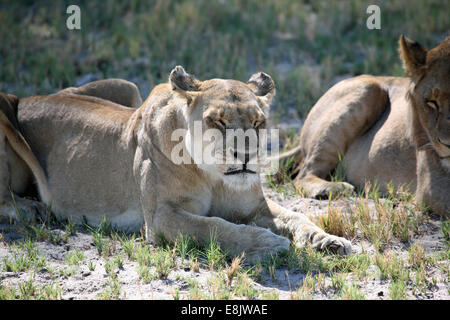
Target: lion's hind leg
119, 91
342, 115
318, 188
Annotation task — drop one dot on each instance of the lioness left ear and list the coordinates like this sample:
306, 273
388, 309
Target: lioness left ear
413, 55
263, 87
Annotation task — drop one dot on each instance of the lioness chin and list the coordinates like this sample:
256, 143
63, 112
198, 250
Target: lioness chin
106, 160
389, 130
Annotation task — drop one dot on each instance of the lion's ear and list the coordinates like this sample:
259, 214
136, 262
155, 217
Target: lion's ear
183, 81
413, 55
262, 86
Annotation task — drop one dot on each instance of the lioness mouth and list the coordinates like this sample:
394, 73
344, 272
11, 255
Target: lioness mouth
239, 171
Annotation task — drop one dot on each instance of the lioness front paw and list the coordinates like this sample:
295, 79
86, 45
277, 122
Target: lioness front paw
333, 188
325, 241
266, 244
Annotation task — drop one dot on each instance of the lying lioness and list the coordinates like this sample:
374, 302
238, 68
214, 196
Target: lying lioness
106, 160
388, 129
19, 168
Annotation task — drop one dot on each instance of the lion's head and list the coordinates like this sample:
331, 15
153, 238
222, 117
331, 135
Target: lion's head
225, 120
430, 93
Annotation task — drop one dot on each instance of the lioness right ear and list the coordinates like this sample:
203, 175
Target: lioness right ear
184, 83
413, 55
181, 80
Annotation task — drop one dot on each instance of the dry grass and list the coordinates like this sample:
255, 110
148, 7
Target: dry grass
232, 270
337, 222
379, 220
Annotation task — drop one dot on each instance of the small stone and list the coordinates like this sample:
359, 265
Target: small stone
86, 273
381, 293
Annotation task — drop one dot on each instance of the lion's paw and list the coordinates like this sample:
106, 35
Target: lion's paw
266, 244
332, 243
334, 188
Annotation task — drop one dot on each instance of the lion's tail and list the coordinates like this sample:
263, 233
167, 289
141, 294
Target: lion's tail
21, 147
293, 158
287, 154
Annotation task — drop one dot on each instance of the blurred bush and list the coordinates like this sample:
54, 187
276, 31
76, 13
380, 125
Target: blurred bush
305, 45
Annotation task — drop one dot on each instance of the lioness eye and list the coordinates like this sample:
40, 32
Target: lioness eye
221, 123
432, 104
256, 124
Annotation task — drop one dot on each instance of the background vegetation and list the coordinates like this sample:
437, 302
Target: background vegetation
305, 45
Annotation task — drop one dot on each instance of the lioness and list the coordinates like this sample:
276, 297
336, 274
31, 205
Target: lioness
106, 160
19, 168
388, 129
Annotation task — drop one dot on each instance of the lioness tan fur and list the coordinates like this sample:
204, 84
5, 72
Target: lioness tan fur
103, 159
388, 129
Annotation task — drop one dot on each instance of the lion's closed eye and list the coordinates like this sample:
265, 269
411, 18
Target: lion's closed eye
432, 104
258, 123
221, 123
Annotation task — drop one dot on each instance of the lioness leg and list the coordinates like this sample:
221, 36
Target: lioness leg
281, 220
119, 91
341, 115
256, 242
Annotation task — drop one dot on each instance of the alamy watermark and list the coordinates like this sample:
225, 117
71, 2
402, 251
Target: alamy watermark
252, 148
73, 21
374, 20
